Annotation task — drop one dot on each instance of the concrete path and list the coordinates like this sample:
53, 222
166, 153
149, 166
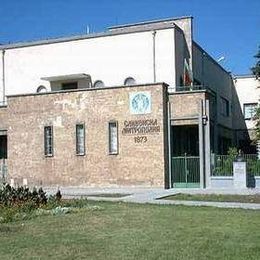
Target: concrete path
152, 195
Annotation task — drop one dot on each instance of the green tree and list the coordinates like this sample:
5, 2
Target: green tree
256, 69
257, 124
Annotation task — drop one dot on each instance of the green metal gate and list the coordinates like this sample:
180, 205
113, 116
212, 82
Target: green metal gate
186, 172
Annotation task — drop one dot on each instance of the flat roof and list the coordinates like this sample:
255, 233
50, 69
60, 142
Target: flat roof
110, 32
243, 76
87, 89
66, 77
149, 22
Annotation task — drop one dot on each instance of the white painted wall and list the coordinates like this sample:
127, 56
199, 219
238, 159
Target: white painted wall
248, 90
165, 56
1, 76
110, 58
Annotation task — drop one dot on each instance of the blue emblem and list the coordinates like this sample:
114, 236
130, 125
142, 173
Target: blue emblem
140, 103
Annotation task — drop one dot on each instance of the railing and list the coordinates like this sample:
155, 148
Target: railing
190, 88
222, 165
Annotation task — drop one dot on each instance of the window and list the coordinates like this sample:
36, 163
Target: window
129, 81
48, 141
249, 110
224, 107
113, 137
99, 84
80, 139
69, 85
41, 89
3, 144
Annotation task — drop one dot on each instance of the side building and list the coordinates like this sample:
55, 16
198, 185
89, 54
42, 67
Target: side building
248, 91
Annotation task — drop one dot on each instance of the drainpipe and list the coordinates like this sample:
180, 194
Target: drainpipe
3, 75
169, 143
154, 63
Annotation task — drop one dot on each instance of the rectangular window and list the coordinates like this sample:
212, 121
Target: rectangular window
80, 139
48, 141
69, 85
224, 107
113, 137
250, 110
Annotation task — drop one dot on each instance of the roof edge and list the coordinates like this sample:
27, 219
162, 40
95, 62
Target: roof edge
88, 89
211, 58
78, 37
149, 22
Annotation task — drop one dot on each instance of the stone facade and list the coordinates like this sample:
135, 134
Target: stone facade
3, 118
137, 162
184, 107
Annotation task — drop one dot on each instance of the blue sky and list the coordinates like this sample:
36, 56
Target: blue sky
229, 28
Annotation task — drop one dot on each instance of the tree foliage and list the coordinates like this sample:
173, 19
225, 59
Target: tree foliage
256, 69
257, 124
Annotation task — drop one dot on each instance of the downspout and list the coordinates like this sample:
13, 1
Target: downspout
154, 62
169, 142
3, 76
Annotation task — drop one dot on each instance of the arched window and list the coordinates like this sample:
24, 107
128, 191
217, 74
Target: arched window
129, 81
99, 84
41, 89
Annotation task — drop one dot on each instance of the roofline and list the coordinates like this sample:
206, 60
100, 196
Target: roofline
149, 22
81, 37
86, 89
211, 58
242, 76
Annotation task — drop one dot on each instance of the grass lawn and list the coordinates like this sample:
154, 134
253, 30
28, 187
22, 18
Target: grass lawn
215, 197
135, 231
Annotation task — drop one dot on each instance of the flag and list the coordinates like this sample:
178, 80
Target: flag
187, 77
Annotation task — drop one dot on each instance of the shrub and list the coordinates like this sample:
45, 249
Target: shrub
224, 164
10, 196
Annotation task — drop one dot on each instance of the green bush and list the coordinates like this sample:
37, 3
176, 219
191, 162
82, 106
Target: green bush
10, 196
224, 164
20, 203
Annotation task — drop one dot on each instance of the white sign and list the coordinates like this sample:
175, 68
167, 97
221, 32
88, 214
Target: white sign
140, 103
239, 169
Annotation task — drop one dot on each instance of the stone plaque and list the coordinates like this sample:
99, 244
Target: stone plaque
239, 170
140, 103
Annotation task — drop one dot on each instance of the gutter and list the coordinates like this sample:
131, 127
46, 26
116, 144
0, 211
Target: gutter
3, 76
154, 62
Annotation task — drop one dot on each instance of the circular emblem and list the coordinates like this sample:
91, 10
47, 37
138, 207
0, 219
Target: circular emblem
140, 103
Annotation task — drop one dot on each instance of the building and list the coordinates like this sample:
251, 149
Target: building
122, 107
248, 91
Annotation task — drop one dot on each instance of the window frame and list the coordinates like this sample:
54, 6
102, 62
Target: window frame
41, 89
127, 79
244, 109
48, 138
66, 84
227, 107
78, 153
98, 82
110, 152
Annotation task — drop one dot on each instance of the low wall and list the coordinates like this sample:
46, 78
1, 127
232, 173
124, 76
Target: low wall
224, 182
221, 182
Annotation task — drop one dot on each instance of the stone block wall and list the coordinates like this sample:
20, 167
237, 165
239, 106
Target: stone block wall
184, 107
139, 162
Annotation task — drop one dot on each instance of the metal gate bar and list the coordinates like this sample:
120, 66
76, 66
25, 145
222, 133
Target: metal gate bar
186, 172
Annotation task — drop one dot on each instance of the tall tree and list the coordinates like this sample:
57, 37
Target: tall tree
256, 68
256, 71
